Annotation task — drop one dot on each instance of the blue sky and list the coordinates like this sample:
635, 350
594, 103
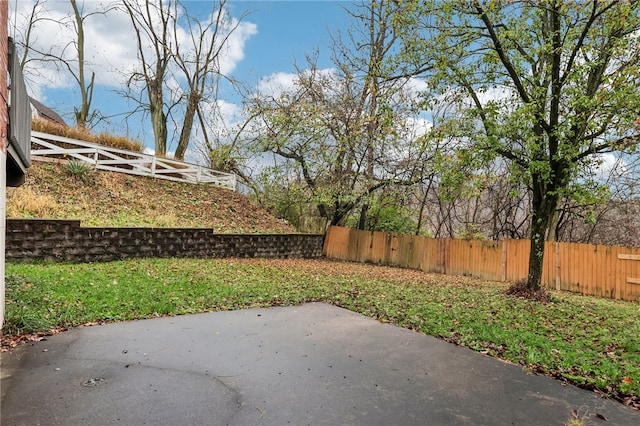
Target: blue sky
274, 35
286, 31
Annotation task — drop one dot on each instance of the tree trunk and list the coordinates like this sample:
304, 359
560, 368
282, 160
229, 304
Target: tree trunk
158, 118
536, 256
185, 134
544, 204
362, 222
86, 92
552, 233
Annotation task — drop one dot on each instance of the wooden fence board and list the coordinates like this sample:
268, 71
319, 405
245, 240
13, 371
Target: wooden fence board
617, 276
611, 285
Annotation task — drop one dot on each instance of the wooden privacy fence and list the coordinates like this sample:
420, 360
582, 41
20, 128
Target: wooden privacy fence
45, 146
595, 270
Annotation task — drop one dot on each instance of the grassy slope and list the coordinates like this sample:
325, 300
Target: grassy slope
115, 199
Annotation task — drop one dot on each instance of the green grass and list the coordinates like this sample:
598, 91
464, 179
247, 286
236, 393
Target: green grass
592, 342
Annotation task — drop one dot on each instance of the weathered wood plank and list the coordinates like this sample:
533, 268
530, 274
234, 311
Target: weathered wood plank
629, 256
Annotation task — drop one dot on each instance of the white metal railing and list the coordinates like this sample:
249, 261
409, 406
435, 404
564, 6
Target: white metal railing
45, 146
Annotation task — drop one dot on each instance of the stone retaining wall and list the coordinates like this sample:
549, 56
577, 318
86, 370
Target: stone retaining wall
67, 241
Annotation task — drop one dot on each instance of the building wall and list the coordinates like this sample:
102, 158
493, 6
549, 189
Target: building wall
67, 241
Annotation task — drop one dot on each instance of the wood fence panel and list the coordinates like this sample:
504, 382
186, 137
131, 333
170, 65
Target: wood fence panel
459, 255
357, 247
488, 263
599, 267
517, 259
406, 249
360, 250
549, 265
564, 267
588, 255
394, 257
481, 259
416, 254
336, 243
613, 280
590, 278
619, 272
577, 275
576, 272
594, 283
455, 258
613, 284
630, 271
442, 256
634, 287
428, 257
379, 247
596, 270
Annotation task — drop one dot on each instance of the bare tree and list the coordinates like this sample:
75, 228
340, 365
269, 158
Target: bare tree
35, 52
174, 45
152, 24
86, 90
200, 64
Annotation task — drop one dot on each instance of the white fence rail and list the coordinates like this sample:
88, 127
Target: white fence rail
45, 147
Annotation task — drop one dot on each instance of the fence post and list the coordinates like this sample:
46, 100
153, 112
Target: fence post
96, 155
153, 165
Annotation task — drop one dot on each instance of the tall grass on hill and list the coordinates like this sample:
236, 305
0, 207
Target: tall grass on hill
30, 203
103, 138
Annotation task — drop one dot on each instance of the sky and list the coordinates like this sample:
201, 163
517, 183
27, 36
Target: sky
273, 36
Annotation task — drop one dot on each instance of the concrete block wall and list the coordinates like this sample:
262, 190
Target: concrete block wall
67, 241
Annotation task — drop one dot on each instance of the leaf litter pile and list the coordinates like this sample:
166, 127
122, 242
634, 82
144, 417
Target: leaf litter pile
589, 342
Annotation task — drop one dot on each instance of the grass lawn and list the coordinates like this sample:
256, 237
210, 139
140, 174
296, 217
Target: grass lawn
594, 343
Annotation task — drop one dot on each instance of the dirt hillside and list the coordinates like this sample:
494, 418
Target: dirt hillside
101, 198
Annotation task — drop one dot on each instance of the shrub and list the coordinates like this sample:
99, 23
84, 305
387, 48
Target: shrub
78, 168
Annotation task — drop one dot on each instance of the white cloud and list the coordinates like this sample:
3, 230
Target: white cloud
494, 94
278, 83
610, 165
110, 44
233, 32
416, 86
418, 126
